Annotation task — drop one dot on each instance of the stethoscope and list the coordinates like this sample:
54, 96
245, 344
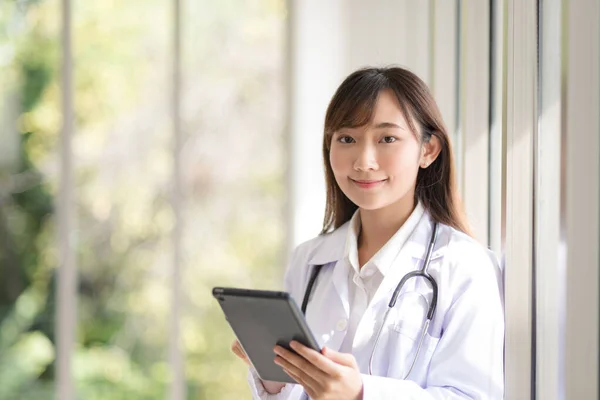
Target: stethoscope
422, 273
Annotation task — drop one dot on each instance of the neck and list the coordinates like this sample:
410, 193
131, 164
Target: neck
378, 226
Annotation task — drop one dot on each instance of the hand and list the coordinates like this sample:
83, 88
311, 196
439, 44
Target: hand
237, 349
330, 375
271, 387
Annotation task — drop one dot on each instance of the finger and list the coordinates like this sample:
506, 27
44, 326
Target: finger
294, 376
308, 389
317, 359
291, 357
235, 347
295, 359
345, 359
301, 375
239, 352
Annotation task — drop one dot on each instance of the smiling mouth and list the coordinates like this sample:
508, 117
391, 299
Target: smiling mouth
367, 184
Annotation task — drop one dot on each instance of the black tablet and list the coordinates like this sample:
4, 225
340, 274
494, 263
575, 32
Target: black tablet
260, 320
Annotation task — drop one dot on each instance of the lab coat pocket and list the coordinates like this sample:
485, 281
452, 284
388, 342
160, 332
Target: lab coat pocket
404, 336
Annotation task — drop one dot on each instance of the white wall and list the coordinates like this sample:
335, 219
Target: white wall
328, 41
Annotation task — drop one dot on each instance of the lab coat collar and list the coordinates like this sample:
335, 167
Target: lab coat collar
330, 248
417, 245
382, 259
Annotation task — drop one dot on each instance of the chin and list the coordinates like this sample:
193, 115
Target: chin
377, 201
369, 205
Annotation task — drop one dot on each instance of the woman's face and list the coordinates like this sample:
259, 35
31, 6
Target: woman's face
377, 165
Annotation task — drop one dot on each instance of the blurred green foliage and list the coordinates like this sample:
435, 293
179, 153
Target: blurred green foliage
26, 206
233, 189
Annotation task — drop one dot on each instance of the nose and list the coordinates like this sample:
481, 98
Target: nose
366, 158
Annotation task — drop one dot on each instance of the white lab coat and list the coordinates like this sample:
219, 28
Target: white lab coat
462, 354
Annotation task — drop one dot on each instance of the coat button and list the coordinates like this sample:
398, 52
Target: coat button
342, 324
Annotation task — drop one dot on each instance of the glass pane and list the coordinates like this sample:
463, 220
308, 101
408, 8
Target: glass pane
29, 126
122, 169
233, 174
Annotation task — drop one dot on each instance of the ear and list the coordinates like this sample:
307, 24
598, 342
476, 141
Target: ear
430, 151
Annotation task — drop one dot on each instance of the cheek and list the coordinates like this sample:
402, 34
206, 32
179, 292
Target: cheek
402, 165
337, 161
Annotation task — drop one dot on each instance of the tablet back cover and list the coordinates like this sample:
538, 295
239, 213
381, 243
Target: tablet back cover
260, 320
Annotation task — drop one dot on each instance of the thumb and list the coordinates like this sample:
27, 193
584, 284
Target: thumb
339, 358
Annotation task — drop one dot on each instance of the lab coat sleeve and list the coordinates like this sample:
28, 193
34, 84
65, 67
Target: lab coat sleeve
468, 360
258, 391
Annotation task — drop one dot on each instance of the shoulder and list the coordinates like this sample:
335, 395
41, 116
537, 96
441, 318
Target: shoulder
320, 250
463, 247
323, 249
468, 261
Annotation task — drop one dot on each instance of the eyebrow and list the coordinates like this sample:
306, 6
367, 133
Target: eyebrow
388, 125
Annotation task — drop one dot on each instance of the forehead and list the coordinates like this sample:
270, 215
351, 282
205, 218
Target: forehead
387, 109
385, 113
364, 109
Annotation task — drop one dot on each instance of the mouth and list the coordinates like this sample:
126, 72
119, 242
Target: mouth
367, 184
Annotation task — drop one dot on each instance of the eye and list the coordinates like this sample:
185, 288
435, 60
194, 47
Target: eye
345, 139
388, 139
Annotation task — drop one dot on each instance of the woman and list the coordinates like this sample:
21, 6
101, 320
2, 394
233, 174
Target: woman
391, 195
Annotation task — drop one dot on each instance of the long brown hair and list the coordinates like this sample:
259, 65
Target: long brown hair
352, 106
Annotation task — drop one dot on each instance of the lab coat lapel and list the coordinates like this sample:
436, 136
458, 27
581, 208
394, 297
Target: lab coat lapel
330, 251
409, 258
333, 292
335, 309
340, 282
402, 264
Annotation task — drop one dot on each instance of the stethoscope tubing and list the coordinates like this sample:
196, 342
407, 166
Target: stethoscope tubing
414, 274
430, 311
